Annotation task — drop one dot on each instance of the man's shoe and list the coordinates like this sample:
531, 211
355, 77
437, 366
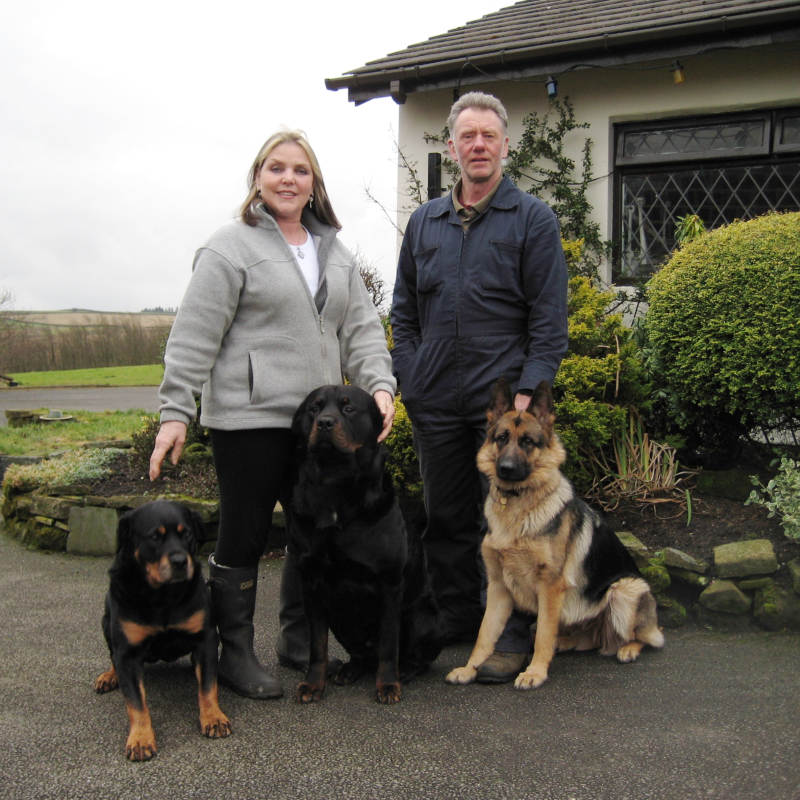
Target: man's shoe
501, 667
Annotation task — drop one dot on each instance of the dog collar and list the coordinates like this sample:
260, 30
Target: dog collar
503, 495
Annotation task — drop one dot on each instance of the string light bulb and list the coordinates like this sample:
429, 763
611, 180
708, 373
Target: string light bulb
678, 75
552, 87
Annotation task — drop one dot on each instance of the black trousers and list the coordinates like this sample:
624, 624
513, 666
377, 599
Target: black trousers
254, 472
455, 492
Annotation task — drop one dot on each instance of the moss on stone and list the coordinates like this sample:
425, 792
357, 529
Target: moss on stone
657, 576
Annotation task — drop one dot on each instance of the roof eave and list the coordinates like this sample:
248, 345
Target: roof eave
763, 28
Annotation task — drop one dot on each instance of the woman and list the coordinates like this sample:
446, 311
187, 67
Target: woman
275, 307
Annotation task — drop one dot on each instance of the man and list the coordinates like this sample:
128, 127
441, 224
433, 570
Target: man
480, 293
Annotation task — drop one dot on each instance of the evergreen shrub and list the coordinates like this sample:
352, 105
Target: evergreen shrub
600, 379
722, 331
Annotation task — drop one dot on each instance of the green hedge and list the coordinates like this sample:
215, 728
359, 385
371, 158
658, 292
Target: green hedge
723, 328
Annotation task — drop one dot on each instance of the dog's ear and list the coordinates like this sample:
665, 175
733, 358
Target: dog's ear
372, 465
371, 460
197, 528
299, 427
300, 430
501, 401
542, 406
377, 418
125, 533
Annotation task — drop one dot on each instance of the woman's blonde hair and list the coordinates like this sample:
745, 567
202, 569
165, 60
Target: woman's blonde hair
321, 207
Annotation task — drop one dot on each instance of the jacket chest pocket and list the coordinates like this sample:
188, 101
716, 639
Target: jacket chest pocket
501, 267
500, 275
429, 271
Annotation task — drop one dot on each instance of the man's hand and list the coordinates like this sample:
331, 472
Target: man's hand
171, 436
521, 401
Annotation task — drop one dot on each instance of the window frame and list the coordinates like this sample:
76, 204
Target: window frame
772, 151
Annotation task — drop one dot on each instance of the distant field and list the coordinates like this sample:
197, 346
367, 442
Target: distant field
84, 318
147, 375
41, 341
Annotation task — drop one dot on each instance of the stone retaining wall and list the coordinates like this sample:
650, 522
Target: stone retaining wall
84, 524
738, 590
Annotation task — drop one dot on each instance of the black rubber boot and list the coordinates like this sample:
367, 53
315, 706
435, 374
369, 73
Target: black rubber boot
233, 595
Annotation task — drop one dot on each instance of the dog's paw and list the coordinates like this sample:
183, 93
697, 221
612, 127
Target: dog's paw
309, 692
141, 746
388, 694
461, 675
629, 652
530, 679
106, 682
216, 727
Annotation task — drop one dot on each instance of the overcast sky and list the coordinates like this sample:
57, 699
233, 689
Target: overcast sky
126, 132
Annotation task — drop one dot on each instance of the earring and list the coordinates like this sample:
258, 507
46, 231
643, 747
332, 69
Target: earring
311, 201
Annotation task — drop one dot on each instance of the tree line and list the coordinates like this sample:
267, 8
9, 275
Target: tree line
25, 348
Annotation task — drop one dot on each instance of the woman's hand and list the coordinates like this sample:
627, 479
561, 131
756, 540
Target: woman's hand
171, 436
385, 403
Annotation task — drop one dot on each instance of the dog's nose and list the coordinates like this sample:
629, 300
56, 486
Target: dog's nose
512, 469
178, 560
325, 422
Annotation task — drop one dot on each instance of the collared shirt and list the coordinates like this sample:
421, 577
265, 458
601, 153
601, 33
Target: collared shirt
468, 214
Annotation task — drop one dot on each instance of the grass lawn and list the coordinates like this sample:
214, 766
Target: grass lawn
145, 375
43, 438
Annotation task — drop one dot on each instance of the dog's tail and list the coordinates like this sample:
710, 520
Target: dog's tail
631, 616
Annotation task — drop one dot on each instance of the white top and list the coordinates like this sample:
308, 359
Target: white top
306, 257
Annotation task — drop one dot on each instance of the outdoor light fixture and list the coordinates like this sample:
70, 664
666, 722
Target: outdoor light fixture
552, 87
678, 75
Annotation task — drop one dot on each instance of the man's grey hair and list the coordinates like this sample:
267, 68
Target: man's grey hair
477, 100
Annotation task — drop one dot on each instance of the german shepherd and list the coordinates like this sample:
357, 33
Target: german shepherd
547, 553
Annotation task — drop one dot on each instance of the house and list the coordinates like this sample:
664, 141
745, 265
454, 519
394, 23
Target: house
693, 106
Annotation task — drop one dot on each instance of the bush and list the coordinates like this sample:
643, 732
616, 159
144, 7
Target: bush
781, 496
722, 330
402, 461
600, 379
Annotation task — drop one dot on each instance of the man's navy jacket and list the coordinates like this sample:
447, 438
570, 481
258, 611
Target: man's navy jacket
473, 306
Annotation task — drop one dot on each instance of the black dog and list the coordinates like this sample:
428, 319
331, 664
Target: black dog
363, 574
158, 609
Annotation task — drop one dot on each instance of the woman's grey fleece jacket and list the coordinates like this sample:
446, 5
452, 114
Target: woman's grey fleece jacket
251, 335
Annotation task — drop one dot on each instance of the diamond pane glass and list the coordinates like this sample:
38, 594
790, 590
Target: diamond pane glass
712, 138
651, 204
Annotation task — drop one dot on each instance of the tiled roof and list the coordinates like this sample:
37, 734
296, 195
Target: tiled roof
547, 31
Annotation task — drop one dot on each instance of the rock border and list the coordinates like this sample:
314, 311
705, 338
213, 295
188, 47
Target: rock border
737, 591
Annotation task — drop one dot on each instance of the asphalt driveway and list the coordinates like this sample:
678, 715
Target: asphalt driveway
709, 716
104, 398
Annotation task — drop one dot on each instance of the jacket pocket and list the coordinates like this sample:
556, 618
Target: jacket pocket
429, 279
279, 373
501, 275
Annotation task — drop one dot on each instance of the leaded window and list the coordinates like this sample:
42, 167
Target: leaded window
721, 168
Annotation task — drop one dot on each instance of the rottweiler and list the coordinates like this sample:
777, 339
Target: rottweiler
157, 609
548, 553
363, 574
